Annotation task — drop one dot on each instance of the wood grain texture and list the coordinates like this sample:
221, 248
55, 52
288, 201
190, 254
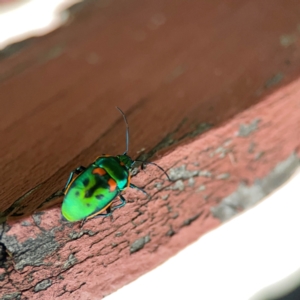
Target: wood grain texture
176, 69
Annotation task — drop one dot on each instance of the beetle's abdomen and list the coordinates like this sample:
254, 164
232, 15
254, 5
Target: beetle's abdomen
115, 169
92, 191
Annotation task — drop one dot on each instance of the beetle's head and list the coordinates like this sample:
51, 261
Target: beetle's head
126, 160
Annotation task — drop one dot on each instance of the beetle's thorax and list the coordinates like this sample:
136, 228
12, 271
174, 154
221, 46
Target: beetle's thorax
126, 160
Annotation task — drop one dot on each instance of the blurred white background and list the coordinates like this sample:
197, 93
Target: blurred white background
21, 19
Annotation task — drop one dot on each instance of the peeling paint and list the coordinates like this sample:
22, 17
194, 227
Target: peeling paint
259, 155
70, 262
246, 129
191, 182
33, 251
76, 235
12, 296
139, 244
37, 218
165, 197
26, 223
158, 185
205, 173
227, 142
175, 215
251, 147
191, 220
223, 150
202, 187
179, 185
43, 285
223, 176
170, 232
247, 196
181, 173
169, 207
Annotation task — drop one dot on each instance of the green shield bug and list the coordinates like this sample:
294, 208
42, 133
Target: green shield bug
90, 191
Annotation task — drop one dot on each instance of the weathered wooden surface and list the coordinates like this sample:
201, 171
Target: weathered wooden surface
175, 68
63, 260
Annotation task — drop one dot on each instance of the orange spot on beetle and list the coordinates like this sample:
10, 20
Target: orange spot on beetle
99, 171
112, 184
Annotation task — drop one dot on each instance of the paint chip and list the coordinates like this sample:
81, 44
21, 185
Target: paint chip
165, 197
247, 196
246, 129
139, 244
179, 185
223, 176
202, 187
205, 173
70, 261
191, 182
43, 285
181, 173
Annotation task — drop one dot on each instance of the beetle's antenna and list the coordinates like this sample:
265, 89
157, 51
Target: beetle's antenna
127, 130
154, 164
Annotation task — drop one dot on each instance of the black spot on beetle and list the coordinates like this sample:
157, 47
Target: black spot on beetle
100, 197
77, 194
88, 194
86, 182
74, 184
88, 204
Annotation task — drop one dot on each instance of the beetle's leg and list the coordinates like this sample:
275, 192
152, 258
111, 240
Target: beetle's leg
96, 215
109, 209
138, 188
82, 222
78, 170
109, 213
123, 202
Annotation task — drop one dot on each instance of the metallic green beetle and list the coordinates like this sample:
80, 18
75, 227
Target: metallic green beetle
90, 191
